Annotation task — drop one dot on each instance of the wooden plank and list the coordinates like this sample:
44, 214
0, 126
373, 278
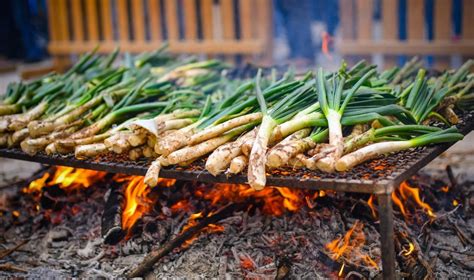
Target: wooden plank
52, 20
123, 20
390, 27
347, 17
171, 13
227, 19
154, 11
365, 10
464, 47
190, 20
468, 19
245, 19
106, 18
63, 20
442, 19
77, 20
92, 20
415, 19
138, 20
207, 47
265, 30
442, 29
390, 19
206, 17
55, 32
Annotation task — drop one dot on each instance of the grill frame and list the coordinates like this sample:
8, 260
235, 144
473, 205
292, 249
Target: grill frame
382, 187
411, 161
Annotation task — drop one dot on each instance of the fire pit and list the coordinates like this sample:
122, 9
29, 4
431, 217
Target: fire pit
379, 177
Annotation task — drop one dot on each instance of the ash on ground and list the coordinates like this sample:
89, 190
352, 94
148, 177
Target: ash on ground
62, 236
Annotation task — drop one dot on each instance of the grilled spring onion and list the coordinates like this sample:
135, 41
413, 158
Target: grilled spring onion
380, 134
219, 160
280, 112
191, 153
374, 150
281, 154
109, 120
238, 164
330, 101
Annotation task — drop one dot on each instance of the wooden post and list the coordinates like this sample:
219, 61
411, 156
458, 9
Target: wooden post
467, 24
154, 11
390, 28
442, 30
106, 19
138, 21
365, 11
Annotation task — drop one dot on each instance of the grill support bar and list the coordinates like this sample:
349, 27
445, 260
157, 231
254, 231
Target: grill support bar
386, 235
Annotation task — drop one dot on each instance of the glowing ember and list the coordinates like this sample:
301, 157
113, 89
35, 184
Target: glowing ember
182, 205
192, 221
247, 263
455, 203
350, 246
404, 193
66, 178
445, 189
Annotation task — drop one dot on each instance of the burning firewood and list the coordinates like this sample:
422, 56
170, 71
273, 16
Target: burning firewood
153, 257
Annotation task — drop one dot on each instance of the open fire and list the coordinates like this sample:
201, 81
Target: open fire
347, 249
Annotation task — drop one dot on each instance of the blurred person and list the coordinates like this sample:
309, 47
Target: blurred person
29, 18
296, 19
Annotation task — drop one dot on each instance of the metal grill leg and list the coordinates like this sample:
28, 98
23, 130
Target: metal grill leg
386, 235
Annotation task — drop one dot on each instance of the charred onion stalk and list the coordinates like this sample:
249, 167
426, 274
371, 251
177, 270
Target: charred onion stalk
374, 150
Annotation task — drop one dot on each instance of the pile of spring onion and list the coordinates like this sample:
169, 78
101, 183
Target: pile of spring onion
175, 111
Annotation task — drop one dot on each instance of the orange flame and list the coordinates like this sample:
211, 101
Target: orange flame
407, 251
341, 270
405, 192
275, 200
137, 201
67, 178
350, 246
370, 202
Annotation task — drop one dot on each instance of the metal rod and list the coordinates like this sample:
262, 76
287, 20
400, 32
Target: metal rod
387, 235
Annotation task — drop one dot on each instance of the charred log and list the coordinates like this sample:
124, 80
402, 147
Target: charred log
111, 226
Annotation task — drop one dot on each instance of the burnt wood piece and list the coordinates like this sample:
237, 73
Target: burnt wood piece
154, 256
111, 226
